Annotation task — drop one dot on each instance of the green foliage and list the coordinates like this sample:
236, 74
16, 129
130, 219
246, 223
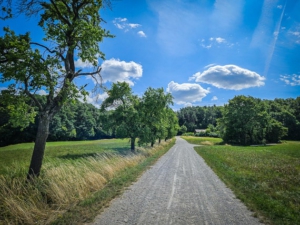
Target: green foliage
199, 117
183, 129
73, 30
154, 115
246, 121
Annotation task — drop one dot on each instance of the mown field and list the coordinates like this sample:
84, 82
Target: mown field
265, 178
77, 180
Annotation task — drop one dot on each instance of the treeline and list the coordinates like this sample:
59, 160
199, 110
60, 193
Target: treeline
246, 120
75, 121
122, 115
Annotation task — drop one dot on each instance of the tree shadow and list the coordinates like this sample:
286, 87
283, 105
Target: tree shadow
107, 153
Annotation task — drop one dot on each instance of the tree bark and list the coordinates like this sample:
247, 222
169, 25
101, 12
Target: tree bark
152, 143
159, 140
39, 146
133, 144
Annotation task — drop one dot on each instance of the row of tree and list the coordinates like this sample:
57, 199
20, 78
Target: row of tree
147, 118
246, 120
123, 115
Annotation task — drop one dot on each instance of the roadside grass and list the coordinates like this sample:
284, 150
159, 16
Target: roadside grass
265, 178
74, 176
203, 140
19, 155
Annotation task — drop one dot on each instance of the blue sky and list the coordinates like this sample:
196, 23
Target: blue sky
204, 52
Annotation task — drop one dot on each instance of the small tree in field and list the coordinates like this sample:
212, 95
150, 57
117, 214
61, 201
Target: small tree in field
125, 118
72, 30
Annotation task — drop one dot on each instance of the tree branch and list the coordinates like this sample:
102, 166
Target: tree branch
59, 14
48, 49
31, 95
84, 74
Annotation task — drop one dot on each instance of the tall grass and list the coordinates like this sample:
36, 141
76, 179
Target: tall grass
60, 186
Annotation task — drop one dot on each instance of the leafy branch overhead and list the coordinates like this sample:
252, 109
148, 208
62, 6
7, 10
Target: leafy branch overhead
72, 30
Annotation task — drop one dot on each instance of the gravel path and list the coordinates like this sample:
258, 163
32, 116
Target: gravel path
179, 189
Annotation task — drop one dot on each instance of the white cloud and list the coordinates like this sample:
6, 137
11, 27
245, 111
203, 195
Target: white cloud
141, 33
114, 70
229, 77
279, 6
220, 40
186, 93
41, 92
209, 65
293, 80
122, 24
94, 99
215, 98
80, 64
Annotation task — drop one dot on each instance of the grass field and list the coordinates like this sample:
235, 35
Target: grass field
78, 179
265, 178
203, 140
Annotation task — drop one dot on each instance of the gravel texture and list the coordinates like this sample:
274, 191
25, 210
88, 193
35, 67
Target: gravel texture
179, 189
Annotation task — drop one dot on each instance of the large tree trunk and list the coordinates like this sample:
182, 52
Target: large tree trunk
39, 146
132, 144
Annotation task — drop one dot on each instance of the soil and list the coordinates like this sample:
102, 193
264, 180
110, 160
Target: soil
179, 189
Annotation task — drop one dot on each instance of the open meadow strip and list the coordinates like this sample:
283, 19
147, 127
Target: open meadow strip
265, 178
65, 181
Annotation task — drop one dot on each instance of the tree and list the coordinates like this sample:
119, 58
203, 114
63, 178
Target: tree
246, 121
72, 30
183, 129
172, 123
125, 117
153, 103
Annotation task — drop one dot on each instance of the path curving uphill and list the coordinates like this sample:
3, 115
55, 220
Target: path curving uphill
179, 189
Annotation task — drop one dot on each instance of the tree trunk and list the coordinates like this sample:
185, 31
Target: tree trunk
159, 139
39, 146
152, 143
132, 144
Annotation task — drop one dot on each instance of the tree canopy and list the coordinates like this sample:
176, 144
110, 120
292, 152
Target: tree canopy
72, 30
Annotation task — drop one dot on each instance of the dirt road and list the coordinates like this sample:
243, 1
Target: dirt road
179, 189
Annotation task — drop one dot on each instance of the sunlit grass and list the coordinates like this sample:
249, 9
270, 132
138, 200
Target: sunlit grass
70, 175
20, 154
203, 140
266, 178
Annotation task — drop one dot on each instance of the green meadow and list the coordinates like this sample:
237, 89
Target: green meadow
265, 178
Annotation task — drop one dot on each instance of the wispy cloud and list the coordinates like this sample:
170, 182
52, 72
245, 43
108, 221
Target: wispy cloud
293, 80
215, 42
229, 77
186, 93
123, 24
272, 48
141, 33
215, 98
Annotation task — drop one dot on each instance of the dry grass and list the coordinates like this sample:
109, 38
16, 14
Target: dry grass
60, 186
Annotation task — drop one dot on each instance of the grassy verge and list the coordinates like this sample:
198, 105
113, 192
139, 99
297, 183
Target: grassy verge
203, 140
73, 187
265, 178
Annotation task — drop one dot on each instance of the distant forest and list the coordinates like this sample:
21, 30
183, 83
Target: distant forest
243, 120
246, 120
